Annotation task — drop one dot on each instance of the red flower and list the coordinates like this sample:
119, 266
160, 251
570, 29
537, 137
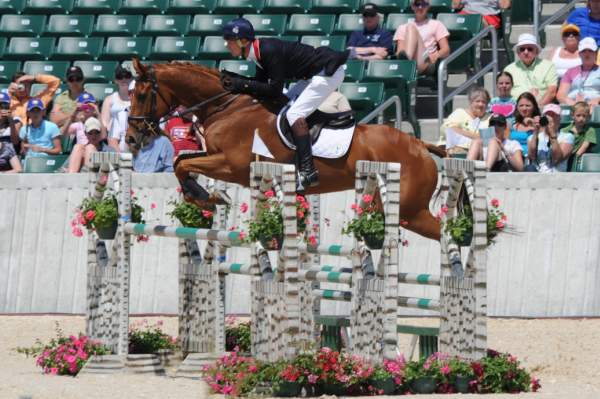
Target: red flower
244, 207
300, 198
269, 194
90, 215
206, 213
312, 240
153, 205
500, 224
367, 198
299, 214
495, 203
477, 369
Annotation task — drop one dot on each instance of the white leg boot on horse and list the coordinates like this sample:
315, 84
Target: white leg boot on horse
308, 175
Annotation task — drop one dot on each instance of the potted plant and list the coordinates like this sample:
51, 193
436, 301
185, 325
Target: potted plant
382, 381
189, 215
237, 335
460, 374
368, 225
288, 382
423, 376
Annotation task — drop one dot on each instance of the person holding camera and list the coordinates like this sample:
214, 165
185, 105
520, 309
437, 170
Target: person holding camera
499, 152
20, 89
548, 149
86, 109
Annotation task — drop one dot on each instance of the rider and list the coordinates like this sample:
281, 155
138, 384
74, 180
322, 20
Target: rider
277, 61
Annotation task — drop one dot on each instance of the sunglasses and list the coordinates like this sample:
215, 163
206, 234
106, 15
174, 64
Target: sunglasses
530, 49
75, 79
421, 4
121, 77
4, 106
570, 34
93, 132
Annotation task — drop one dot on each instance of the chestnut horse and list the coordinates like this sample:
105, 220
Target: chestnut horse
230, 123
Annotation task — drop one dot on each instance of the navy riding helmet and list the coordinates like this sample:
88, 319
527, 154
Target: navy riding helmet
239, 28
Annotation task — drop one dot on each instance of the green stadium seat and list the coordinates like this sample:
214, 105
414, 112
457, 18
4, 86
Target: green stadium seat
206, 63
169, 47
78, 48
245, 68
118, 25
56, 68
96, 6
8, 69
589, 163
399, 78
348, 23
29, 48
311, 24
120, 48
286, 6
289, 38
11, 6
334, 6
335, 42
97, 71
4, 87
3, 42
393, 21
66, 144
462, 28
166, 25
206, 25
137, 7
47, 164
100, 90
189, 7
521, 12
565, 115
22, 25
354, 70
69, 25
363, 97
441, 6
36, 88
388, 6
213, 48
267, 24
239, 6
48, 7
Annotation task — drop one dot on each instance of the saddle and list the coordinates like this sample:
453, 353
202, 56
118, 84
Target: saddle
317, 121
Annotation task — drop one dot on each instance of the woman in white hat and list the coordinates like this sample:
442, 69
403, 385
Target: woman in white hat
582, 83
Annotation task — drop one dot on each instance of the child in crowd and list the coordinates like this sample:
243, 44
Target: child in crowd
86, 108
585, 135
504, 104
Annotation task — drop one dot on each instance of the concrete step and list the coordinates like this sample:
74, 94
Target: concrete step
429, 130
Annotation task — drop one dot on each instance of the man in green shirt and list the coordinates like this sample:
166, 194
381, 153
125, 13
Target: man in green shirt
531, 73
66, 102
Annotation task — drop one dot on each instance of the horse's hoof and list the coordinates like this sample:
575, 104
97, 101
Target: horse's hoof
219, 198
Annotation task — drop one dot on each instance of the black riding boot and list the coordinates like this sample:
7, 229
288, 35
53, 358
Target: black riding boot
308, 176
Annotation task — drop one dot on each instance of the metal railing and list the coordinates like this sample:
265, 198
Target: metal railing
442, 70
378, 112
537, 14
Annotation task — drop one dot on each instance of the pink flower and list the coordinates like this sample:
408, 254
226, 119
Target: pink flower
512, 359
312, 240
312, 379
242, 235
244, 207
269, 194
142, 238
54, 370
153, 205
90, 215
178, 189
299, 214
445, 370
227, 389
403, 222
405, 243
252, 368
444, 209
503, 217
300, 198
500, 224
367, 198
77, 232
305, 205
103, 179
206, 213
495, 203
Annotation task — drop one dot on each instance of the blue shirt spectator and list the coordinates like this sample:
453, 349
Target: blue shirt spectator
587, 20
372, 42
41, 137
156, 156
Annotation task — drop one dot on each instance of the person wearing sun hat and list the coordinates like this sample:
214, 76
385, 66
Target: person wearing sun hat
40, 137
532, 74
582, 83
566, 56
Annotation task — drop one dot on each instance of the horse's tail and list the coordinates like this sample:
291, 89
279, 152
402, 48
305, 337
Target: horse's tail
434, 149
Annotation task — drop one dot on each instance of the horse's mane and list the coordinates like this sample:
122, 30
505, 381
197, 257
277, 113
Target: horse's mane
189, 67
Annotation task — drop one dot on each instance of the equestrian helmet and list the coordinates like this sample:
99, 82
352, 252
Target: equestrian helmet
239, 28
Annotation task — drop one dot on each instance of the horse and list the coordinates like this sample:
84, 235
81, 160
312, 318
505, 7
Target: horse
230, 122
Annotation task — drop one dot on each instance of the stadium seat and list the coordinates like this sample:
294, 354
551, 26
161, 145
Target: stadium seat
393, 21
29, 48
69, 25
521, 12
334, 6
97, 71
242, 67
66, 143
388, 6
286, 6
11, 6
166, 25
96, 6
440, 6
3, 42
22, 25
335, 42
8, 69
589, 163
239, 6
363, 97
47, 164
311, 24
100, 90
206, 63
48, 7
565, 115
56, 68
206, 25
267, 24
213, 48
399, 78
289, 38
462, 28
354, 70
169, 47
348, 23
120, 48
137, 7
118, 25
78, 48
189, 7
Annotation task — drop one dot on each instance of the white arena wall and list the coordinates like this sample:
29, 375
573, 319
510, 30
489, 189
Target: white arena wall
548, 268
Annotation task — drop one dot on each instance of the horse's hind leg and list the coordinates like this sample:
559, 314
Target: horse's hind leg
425, 224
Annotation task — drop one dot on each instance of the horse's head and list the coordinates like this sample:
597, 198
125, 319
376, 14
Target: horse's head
148, 105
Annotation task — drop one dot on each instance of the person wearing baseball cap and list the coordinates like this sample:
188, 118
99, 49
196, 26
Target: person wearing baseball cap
95, 142
372, 42
549, 150
587, 19
40, 137
9, 161
566, 56
532, 74
65, 103
9, 125
582, 83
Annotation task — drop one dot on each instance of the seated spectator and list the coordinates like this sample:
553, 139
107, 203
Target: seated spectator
9, 126
65, 103
585, 135
372, 42
425, 40
9, 161
489, 9
587, 19
86, 109
156, 156
40, 137
504, 104
20, 88
582, 83
531, 73
526, 116
549, 150
115, 110
463, 125
183, 132
567, 56
500, 153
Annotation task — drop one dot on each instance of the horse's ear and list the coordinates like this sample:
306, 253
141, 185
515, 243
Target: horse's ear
139, 67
